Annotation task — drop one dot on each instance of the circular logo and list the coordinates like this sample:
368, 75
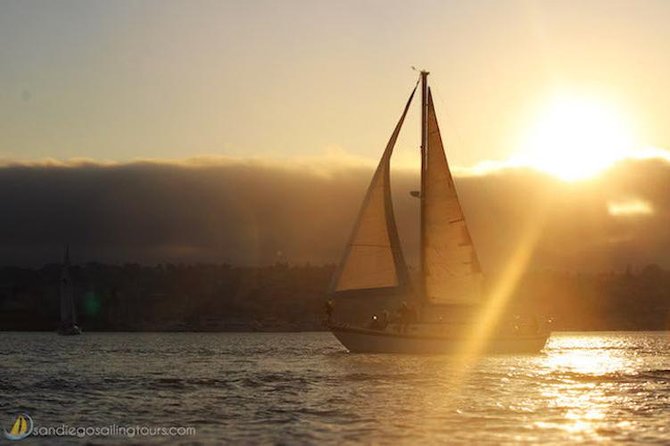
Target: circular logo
21, 428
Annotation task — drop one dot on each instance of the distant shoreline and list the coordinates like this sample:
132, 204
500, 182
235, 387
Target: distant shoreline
309, 331
290, 298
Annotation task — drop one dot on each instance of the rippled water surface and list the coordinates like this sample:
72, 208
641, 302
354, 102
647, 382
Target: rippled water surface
303, 388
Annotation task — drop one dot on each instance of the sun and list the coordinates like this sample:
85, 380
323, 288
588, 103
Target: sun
575, 138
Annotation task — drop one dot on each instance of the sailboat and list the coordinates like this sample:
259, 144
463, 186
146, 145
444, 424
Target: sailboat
439, 309
68, 318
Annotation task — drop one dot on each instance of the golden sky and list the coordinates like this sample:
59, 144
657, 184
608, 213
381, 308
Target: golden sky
125, 80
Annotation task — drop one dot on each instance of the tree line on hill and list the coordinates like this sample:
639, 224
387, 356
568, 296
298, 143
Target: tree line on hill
222, 297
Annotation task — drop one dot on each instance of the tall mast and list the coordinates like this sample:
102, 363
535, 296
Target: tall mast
424, 166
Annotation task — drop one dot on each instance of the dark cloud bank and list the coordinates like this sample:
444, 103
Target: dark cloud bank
245, 213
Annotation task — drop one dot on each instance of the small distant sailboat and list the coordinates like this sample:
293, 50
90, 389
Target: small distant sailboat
68, 318
444, 303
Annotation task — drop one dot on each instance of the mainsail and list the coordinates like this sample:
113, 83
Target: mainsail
451, 268
67, 312
373, 259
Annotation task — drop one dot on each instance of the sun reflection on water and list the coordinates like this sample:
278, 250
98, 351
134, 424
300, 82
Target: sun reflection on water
586, 362
582, 367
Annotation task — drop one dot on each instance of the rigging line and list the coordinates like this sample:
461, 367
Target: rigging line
419, 71
449, 119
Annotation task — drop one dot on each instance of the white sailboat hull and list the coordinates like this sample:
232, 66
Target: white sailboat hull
360, 340
71, 330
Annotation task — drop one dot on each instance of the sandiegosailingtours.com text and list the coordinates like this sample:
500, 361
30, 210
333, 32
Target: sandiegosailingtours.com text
22, 426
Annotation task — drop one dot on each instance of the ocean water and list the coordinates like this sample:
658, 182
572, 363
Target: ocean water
303, 388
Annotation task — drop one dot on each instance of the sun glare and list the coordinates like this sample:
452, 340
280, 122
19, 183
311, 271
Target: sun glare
633, 207
576, 138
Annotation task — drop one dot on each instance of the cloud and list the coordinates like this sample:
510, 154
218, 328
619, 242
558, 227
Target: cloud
245, 211
630, 207
569, 165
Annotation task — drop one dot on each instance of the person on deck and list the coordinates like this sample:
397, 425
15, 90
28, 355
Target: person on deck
384, 321
379, 322
329, 310
404, 316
